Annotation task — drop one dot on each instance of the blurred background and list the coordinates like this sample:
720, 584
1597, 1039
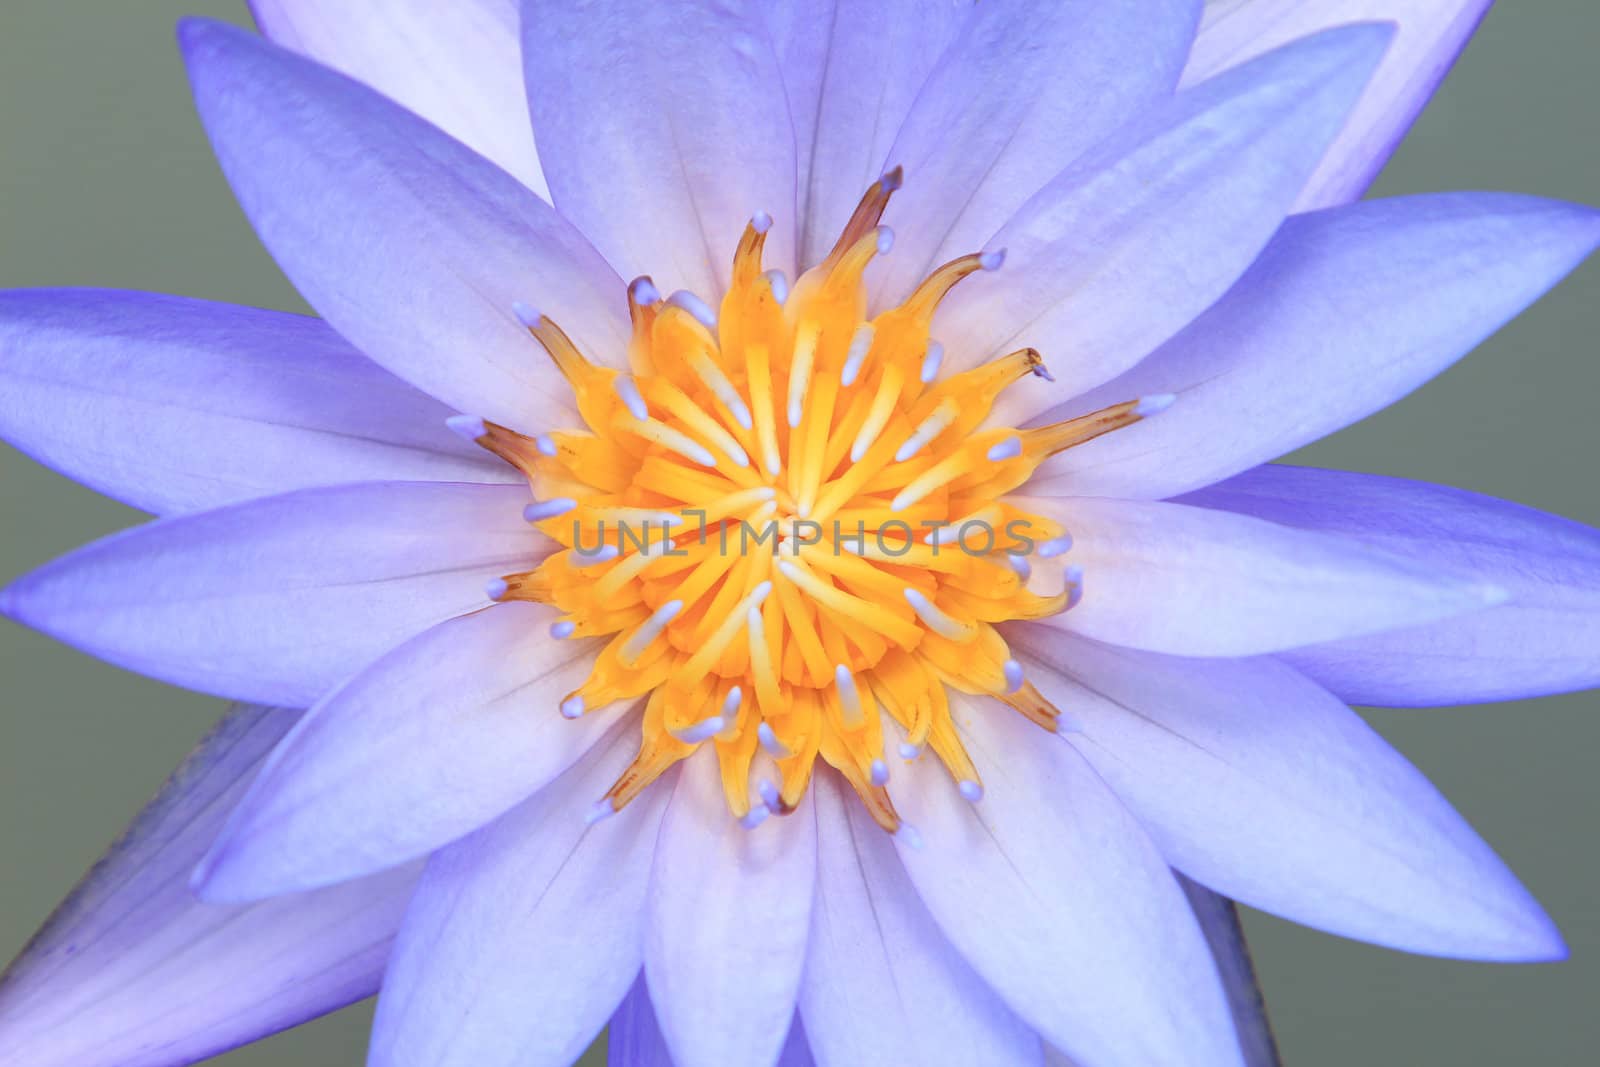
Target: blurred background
107, 180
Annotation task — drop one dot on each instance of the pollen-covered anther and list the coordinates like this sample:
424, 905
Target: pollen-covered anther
792, 535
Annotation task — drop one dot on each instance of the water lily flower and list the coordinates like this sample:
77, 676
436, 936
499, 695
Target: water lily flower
986, 321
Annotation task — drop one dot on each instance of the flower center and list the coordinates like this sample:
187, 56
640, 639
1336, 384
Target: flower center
784, 520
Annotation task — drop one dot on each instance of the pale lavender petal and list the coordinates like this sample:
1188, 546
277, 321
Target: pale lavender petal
283, 598
1195, 582
664, 128
457, 64
1430, 34
132, 971
1346, 311
411, 245
882, 985
1261, 785
523, 938
1542, 640
1179, 204
175, 405
1057, 898
801, 40
728, 915
444, 734
1023, 90
852, 72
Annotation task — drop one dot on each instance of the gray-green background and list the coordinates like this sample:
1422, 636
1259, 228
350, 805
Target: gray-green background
106, 179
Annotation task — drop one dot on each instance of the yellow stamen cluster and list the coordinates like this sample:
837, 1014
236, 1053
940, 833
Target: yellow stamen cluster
785, 521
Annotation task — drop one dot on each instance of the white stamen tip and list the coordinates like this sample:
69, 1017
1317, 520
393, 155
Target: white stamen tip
879, 773
849, 695
970, 791
1154, 404
1019, 564
769, 741
885, 240
598, 811
1010, 448
1073, 575
467, 427
563, 629
648, 631
741, 413
909, 835
932, 361
1014, 678
755, 817
758, 595
731, 702
589, 558
934, 617
644, 291
770, 795
1055, 546
909, 751
694, 306
545, 444
761, 222
527, 314
1068, 724
549, 509
992, 260
628, 392
496, 588
703, 730
572, 707
780, 285
860, 345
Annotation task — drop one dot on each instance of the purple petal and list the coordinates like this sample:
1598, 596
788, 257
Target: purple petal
1430, 34
882, 985
281, 599
522, 938
1262, 786
457, 65
436, 739
175, 405
1346, 311
664, 128
1023, 90
412, 246
1194, 582
635, 1038
132, 971
1057, 898
728, 916
1179, 203
1219, 921
1543, 640
852, 73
